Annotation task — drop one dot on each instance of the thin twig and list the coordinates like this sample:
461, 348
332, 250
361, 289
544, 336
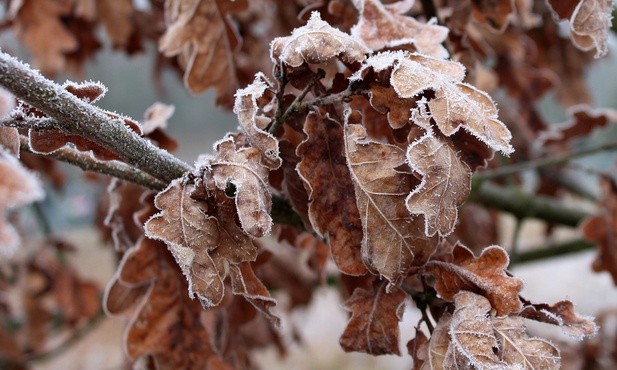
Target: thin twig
87, 163
514, 248
75, 116
555, 250
36, 123
543, 162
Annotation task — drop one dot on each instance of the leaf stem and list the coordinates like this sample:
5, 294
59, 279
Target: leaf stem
75, 116
87, 163
543, 162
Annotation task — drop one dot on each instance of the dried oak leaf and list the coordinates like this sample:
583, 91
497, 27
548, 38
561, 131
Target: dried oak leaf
590, 22
9, 136
117, 17
243, 169
601, 229
446, 183
393, 241
373, 327
456, 104
166, 325
384, 26
123, 203
201, 244
332, 202
473, 338
583, 120
244, 282
18, 187
34, 21
484, 275
155, 123
386, 100
561, 314
247, 108
315, 43
198, 34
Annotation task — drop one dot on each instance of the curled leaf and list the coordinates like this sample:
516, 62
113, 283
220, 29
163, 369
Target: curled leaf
316, 42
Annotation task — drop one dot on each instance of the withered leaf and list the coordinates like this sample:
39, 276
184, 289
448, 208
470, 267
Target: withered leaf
244, 169
9, 136
392, 238
315, 43
116, 16
244, 282
154, 124
561, 314
583, 120
18, 187
494, 13
456, 104
484, 275
381, 26
446, 183
484, 341
332, 205
590, 22
199, 242
246, 107
373, 327
196, 33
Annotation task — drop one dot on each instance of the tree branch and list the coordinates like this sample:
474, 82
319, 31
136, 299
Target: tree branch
88, 163
555, 250
75, 116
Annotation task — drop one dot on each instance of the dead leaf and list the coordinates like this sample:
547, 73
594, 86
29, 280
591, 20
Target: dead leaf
199, 242
197, 33
155, 123
315, 43
494, 13
332, 205
244, 282
485, 275
254, 122
561, 314
373, 327
446, 183
385, 26
116, 16
393, 241
583, 120
18, 187
244, 169
456, 104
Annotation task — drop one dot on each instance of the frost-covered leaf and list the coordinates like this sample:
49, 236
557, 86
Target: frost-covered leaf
197, 33
244, 169
456, 104
154, 124
484, 275
590, 22
375, 315
561, 314
446, 182
202, 244
392, 238
381, 26
315, 43
9, 136
18, 187
244, 282
332, 201
583, 120
253, 122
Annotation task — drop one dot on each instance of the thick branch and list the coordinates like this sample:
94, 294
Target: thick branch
523, 205
77, 117
88, 163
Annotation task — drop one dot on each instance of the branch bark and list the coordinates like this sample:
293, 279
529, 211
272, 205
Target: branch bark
77, 117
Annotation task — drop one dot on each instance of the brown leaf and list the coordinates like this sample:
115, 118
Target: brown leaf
34, 22
155, 123
332, 206
201, 244
373, 327
393, 240
382, 26
561, 314
590, 22
244, 282
124, 202
315, 43
583, 120
456, 104
253, 122
117, 17
490, 342
18, 187
386, 100
197, 33
484, 275
446, 183
244, 169
601, 229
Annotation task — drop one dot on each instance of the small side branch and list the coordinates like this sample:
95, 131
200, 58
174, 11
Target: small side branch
77, 117
88, 163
